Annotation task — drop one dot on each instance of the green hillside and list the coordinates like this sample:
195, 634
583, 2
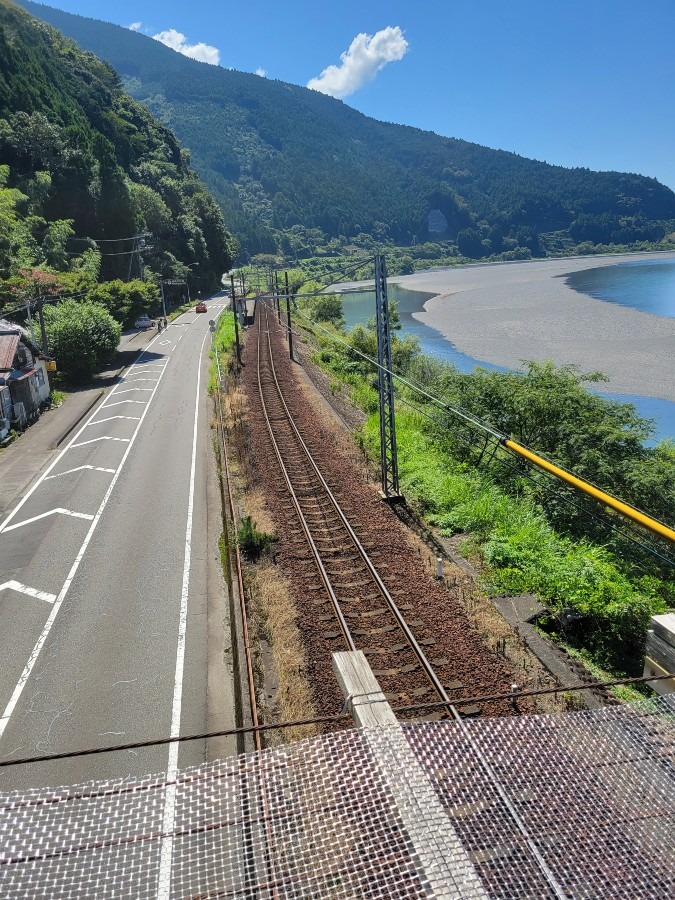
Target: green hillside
278, 156
85, 167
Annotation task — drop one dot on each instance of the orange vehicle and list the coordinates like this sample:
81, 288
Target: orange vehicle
200, 307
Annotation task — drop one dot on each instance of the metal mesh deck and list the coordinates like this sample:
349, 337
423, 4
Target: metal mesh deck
578, 805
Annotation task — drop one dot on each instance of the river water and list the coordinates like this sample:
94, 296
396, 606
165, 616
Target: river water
645, 285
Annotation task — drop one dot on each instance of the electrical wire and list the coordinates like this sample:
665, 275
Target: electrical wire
475, 421
337, 717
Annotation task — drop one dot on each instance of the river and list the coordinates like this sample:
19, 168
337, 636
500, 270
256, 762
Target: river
645, 285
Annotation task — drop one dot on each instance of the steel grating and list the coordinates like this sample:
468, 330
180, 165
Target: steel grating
577, 805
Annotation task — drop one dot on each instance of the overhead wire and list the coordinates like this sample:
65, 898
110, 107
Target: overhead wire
552, 486
342, 715
342, 271
555, 485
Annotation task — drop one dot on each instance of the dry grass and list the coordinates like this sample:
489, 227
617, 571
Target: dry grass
274, 619
278, 653
257, 510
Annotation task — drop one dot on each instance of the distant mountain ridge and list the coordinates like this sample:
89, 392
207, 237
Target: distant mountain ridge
280, 157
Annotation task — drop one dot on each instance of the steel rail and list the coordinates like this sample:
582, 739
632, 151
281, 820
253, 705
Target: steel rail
305, 527
386, 596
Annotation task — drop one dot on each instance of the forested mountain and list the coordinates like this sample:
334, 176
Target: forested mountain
280, 157
84, 169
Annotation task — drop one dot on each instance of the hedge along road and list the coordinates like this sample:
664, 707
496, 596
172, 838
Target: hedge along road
104, 579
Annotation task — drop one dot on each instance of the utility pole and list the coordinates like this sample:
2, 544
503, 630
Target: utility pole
30, 322
161, 287
288, 314
236, 320
43, 330
385, 380
276, 296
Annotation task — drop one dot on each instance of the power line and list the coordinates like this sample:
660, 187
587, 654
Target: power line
338, 717
554, 486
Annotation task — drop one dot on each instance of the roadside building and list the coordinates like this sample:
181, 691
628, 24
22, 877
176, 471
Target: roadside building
24, 380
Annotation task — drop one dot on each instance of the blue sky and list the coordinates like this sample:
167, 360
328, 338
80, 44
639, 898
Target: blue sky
573, 83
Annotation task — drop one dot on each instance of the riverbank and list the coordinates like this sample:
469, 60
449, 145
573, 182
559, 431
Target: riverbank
508, 312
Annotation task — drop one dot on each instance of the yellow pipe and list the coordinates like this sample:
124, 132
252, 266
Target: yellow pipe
652, 524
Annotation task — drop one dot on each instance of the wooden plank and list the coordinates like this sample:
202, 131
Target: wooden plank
664, 627
660, 651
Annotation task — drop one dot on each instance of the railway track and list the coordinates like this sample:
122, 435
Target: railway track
357, 608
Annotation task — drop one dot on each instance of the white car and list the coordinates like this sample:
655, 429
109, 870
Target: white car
144, 322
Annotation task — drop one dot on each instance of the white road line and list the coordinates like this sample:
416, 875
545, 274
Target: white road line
32, 592
130, 390
164, 880
164, 342
52, 512
25, 675
46, 472
110, 419
119, 403
79, 468
134, 380
104, 437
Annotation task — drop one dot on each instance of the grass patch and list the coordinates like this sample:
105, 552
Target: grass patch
251, 541
57, 397
275, 619
221, 347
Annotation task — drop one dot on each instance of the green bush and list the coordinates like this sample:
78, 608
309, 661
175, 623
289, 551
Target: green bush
252, 542
83, 337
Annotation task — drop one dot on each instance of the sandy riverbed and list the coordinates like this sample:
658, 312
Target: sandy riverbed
504, 313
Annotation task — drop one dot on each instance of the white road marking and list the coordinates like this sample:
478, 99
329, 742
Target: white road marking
49, 468
79, 468
25, 675
110, 419
32, 592
164, 881
130, 390
134, 380
120, 402
52, 512
104, 437
165, 342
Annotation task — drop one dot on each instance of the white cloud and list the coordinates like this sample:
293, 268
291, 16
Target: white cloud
135, 26
177, 41
261, 72
367, 54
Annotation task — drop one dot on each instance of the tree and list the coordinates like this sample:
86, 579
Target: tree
328, 309
126, 300
82, 337
470, 243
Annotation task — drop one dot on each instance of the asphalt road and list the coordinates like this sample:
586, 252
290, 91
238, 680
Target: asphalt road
107, 585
